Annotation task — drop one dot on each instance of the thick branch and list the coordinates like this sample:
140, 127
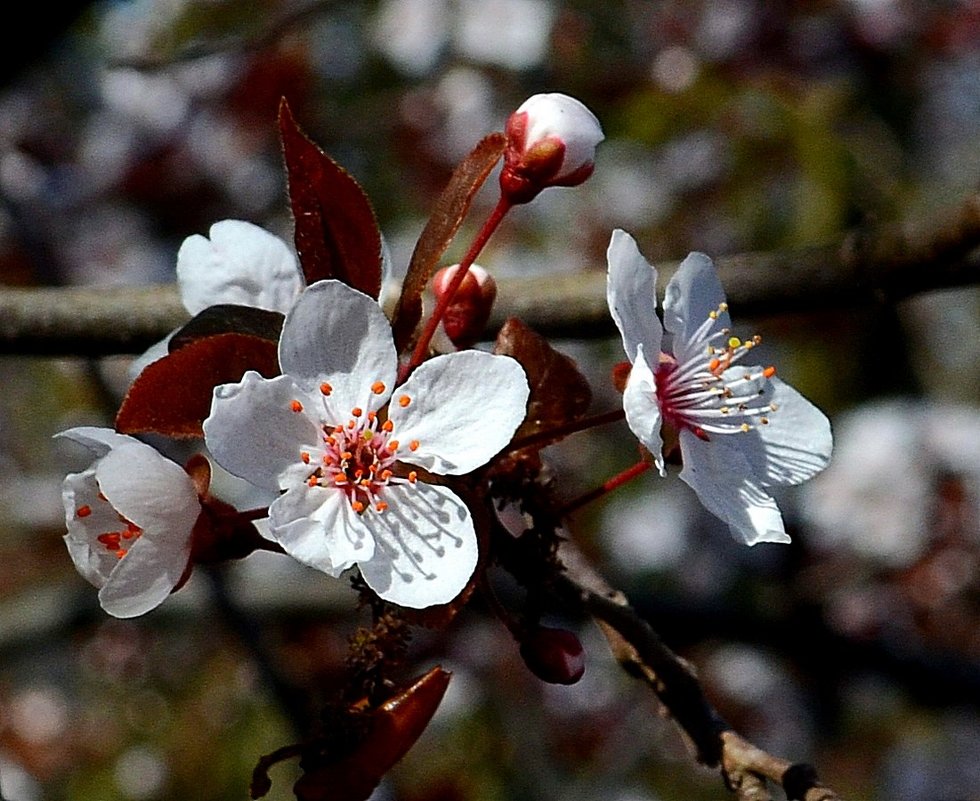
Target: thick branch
864, 267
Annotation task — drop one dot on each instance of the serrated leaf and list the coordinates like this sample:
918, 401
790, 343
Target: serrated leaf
172, 396
337, 233
560, 394
448, 215
228, 318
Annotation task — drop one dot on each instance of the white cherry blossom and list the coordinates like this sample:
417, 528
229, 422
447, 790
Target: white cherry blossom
740, 429
130, 518
238, 263
353, 453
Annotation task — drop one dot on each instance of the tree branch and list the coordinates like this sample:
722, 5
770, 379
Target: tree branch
637, 647
865, 267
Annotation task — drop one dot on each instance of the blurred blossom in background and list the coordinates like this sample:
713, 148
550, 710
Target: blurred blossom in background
731, 126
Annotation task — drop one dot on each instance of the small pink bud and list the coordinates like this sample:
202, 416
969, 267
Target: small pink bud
554, 655
467, 314
551, 141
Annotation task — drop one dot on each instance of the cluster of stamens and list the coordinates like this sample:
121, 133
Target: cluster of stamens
116, 542
358, 456
700, 394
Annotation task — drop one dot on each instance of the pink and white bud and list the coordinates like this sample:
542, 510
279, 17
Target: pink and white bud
551, 141
467, 314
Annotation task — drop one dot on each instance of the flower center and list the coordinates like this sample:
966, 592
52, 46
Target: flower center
358, 456
705, 392
117, 541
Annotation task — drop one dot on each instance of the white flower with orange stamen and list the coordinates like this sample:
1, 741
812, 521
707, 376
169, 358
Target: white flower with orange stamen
740, 429
342, 441
130, 517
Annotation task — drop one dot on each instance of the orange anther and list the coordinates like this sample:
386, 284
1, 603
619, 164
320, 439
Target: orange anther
110, 539
769, 372
386, 474
414, 445
120, 553
338, 429
413, 477
381, 506
312, 481
372, 416
304, 457
347, 455
351, 423
713, 365
357, 411
340, 479
83, 511
378, 387
404, 400
388, 426
296, 406
325, 388
393, 445
357, 506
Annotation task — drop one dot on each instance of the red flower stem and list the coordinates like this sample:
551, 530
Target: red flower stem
616, 481
568, 428
422, 346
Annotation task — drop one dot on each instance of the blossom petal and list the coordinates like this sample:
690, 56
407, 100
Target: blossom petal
339, 335
796, 443
631, 291
691, 296
149, 490
240, 263
81, 491
448, 413
318, 527
642, 410
253, 430
99, 440
426, 546
145, 576
724, 482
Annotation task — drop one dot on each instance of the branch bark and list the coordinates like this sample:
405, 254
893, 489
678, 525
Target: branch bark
866, 267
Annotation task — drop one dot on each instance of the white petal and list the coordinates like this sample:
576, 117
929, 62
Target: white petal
241, 263
339, 335
145, 576
317, 527
254, 433
691, 295
92, 560
426, 546
464, 407
642, 410
98, 440
631, 291
722, 478
149, 490
796, 443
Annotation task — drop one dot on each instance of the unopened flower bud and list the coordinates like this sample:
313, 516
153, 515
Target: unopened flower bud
551, 141
554, 655
467, 314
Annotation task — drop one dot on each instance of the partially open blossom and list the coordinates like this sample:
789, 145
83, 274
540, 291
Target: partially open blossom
240, 263
347, 446
467, 314
130, 518
740, 429
551, 141
553, 655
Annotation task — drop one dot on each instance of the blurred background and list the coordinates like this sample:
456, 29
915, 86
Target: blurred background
732, 126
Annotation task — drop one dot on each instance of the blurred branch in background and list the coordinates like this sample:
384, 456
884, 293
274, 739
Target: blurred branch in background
867, 266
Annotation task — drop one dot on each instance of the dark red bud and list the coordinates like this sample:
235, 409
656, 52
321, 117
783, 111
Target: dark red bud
467, 314
554, 655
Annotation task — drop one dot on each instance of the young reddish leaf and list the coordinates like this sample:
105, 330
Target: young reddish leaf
451, 208
172, 395
228, 318
560, 394
337, 234
391, 729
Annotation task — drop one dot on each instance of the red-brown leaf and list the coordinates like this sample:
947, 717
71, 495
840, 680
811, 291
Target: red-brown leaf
451, 208
392, 730
172, 396
560, 394
337, 233
227, 318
